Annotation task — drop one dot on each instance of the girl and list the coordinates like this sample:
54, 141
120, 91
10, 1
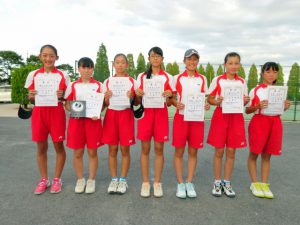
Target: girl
154, 123
119, 126
84, 131
226, 129
48, 119
189, 82
265, 131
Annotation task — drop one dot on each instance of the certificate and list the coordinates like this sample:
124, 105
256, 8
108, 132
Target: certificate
276, 97
153, 93
194, 107
119, 87
94, 102
233, 99
46, 87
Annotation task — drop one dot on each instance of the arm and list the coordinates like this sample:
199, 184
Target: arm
261, 105
212, 101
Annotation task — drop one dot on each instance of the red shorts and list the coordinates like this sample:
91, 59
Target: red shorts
48, 119
118, 127
265, 134
84, 131
227, 130
154, 123
187, 131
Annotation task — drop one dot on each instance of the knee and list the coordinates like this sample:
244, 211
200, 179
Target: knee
193, 153
265, 157
125, 153
219, 154
159, 152
113, 154
179, 154
78, 155
93, 154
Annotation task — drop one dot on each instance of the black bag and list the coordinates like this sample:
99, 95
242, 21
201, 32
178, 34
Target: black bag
24, 112
138, 111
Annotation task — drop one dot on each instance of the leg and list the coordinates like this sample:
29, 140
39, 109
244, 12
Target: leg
144, 160
60, 158
178, 163
252, 158
78, 162
42, 148
218, 163
112, 160
93, 163
158, 161
125, 160
192, 163
229, 163
265, 167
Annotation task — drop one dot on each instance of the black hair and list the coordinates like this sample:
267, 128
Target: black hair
231, 54
268, 66
121, 54
86, 62
49, 46
156, 50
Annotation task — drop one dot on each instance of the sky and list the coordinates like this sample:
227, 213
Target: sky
260, 30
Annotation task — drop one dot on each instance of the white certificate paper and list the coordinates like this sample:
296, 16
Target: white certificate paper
276, 97
119, 87
194, 107
46, 87
153, 93
94, 102
233, 99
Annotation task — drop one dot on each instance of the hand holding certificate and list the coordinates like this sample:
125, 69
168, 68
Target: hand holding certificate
276, 97
233, 99
153, 94
94, 103
46, 87
194, 107
119, 87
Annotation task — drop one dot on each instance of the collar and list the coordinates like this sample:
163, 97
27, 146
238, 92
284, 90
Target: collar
236, 77
187, 75
54, 70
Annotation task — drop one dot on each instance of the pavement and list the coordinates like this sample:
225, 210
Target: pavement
19, 174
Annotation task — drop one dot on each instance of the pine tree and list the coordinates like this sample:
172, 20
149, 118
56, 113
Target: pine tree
280, 79
175, 68
201, 70
220, 70
241, 72
293, 83
131, 68
101, 71
252, 78
169, 68
141, 65
209, 73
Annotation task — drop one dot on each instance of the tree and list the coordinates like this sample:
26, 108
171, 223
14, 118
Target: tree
18, 78
101, 71
209, 73
241, 72
220, 70
252, 77
8, 61
162, 66
34, 60
131, 68
175, 68
141, 64
293, 83
201, 70
169, 68
69, 70
280, 79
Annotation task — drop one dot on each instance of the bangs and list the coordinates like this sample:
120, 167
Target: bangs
270, 65
156, 50
86, 62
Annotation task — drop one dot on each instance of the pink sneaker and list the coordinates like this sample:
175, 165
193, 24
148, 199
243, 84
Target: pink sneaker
56, 186
42, 185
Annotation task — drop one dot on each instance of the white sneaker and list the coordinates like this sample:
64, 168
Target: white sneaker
122, 187
90, 186
157, 190
217, 189
257, 190
145, 190
181, 191
112, 188
190, 190
227, 189
80, 186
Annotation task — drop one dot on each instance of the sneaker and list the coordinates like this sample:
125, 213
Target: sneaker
80, 186
145, 190
122, 187
42, 186
56, 186
190, 190
90, 186
227, 189
181, 191
257, 190
267, 192
113, 186
217, 189
157, 190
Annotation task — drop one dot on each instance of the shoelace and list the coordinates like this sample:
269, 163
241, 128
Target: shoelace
181, 187
55, 183
42, 183
122, 184
218, 186
190, 186
228, 187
